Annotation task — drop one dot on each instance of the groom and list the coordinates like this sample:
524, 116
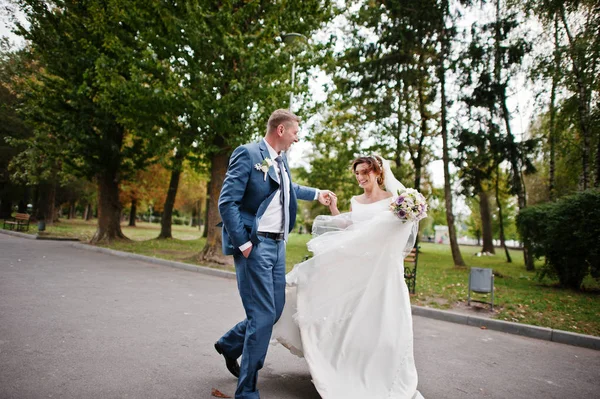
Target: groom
258, 209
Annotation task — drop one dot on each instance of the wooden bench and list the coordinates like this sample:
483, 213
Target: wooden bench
410, 269
20, 222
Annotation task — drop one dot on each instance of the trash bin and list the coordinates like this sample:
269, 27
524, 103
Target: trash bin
41, 225
481, 281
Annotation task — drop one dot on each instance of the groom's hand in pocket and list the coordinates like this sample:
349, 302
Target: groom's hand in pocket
246, 252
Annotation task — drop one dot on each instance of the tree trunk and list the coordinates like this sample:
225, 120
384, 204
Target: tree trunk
582, 107
418, 160
109, 209
167, 216
212, 251
47, 199
551, 141
88, 212
72, 210
486, 222
456, 255
22, 206
513, 153
206, 206
597, 181
552, 130
500, 216
133, 213
195, 214
398, 131
51, 212
5, 209
35, 202
517, 181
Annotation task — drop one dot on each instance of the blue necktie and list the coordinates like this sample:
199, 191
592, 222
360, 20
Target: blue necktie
284, 198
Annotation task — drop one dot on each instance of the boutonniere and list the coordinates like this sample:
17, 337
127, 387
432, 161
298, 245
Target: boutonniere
264, 166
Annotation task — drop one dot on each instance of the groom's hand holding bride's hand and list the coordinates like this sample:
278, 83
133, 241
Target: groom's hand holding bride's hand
326, 197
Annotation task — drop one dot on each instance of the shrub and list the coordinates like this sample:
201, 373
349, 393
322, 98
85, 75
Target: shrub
567, 233
179, 220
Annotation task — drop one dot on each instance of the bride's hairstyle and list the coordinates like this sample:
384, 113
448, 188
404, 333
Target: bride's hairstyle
374, 163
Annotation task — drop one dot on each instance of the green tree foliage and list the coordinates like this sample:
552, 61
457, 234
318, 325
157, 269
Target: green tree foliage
567, 234
237, 71
566, 154
574, 69
473, 222
96, 91
476, 162
385, 77
336, 141
34, 159
493, 57
12, 131
436, 213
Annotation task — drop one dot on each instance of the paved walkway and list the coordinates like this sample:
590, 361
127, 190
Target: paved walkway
81, 324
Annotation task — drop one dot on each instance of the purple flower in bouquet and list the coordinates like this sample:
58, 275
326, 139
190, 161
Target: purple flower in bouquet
409, 205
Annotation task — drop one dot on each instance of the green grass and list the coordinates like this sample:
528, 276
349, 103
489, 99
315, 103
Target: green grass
519, 296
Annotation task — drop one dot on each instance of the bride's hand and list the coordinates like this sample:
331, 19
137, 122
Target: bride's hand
333, 205
325, 197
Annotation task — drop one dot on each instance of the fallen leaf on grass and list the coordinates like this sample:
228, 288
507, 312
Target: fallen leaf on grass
218, 394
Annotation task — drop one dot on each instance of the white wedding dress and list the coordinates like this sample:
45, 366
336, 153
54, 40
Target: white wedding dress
348, 309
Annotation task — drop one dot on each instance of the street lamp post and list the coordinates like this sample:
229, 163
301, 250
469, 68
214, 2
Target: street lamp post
290, 39
293, 77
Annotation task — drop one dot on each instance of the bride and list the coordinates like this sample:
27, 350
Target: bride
347, 308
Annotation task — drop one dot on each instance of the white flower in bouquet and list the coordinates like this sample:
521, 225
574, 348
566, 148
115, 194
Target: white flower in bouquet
409, 205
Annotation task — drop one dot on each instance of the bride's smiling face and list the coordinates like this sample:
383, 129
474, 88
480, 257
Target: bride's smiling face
365, 176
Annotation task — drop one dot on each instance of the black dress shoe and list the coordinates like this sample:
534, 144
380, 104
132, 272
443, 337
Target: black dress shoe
232, 364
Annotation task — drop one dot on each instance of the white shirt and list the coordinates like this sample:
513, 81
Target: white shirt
272, 219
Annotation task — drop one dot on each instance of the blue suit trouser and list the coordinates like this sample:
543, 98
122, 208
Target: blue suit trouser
261, 283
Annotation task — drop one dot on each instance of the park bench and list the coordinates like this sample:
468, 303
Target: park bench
20, 222
410, 269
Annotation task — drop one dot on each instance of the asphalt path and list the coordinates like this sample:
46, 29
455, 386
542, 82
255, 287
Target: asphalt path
81, 324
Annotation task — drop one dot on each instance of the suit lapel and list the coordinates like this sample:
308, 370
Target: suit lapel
264, 152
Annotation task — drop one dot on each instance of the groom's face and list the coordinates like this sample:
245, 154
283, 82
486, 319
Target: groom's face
289, 134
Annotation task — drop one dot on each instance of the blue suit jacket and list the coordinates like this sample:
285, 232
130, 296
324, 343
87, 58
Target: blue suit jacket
245, 196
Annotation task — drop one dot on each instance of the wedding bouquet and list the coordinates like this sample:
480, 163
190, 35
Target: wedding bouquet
409, 205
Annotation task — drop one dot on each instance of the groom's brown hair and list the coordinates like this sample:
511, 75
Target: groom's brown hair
279, 117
